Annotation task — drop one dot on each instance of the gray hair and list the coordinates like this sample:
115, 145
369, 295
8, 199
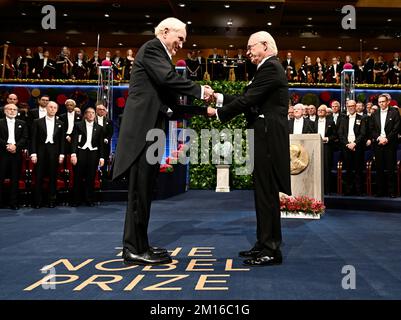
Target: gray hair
265, 36
70, 101
299, 106
169, 23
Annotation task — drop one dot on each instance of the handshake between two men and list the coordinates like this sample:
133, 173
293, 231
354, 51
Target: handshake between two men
210, 96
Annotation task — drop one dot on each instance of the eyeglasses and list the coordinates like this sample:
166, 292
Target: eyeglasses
250, 46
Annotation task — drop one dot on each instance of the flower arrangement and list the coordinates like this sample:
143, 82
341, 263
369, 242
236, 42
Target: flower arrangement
301, 204
294, 98
167, 168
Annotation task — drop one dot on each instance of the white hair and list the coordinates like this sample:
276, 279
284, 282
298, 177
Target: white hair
70, 101
265, 36
299, 106
169, 23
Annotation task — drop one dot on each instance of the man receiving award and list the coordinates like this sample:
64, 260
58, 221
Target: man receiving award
154, 87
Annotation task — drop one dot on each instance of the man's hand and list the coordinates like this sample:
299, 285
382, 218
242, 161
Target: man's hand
68, 138
12, 148
74, 159
368, 142
34, 159
351, 146
101, 162
60, 158
211, 112
382, 141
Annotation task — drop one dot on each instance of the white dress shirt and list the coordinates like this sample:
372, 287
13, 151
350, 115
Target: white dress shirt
383, 116
298, 125
70, 119
312, 118
89, 134
42, 112
351, 123
321, 127
44, 62
11, 131
50, 129
100, 120
335, 117
170, 56
220, 96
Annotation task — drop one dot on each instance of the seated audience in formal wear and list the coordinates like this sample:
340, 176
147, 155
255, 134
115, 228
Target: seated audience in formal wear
351, 134
47, 152
299, 124
87, 155
13, 139
384, 128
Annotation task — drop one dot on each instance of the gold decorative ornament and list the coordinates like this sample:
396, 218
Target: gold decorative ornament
299, 159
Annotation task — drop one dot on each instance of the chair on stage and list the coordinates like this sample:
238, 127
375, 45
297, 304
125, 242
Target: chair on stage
61, 181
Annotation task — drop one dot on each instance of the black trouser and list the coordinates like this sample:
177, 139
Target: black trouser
47, 164
107, 149
328, 163
386, 162
10, 165
353, 164
267, 200
141, 181
85, 174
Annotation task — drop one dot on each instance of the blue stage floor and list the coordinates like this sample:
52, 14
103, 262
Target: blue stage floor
315, 253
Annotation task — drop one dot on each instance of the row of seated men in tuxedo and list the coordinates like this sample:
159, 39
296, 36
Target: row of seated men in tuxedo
353, 134
49, 139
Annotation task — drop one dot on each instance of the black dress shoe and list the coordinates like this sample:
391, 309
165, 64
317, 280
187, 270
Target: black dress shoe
52, 205
90, 204
392, 195
261, 261
36, 206
157, 250
14, 207
146, 258
249, 253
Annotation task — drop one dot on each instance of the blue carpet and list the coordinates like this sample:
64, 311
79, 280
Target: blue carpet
315, 252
